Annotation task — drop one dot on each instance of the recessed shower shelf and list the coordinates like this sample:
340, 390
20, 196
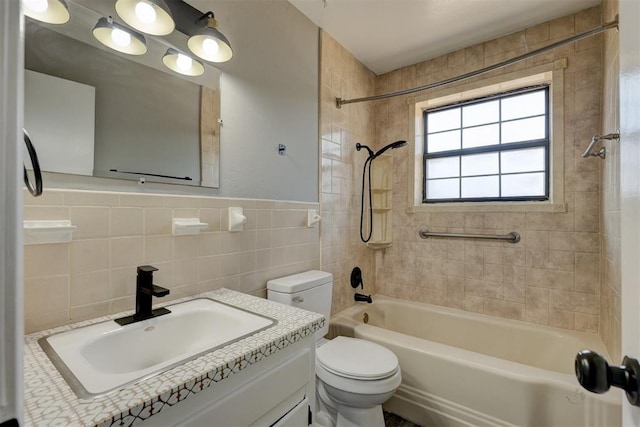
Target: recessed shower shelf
381, 202
47, 231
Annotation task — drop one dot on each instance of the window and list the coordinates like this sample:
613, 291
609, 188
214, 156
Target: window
494, 148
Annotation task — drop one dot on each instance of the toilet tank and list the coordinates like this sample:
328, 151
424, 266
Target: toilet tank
310, 290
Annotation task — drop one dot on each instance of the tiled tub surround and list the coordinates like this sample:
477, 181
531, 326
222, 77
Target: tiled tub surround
552, 276
94, 275
50, 401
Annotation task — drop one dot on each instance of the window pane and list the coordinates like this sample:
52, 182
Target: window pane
523, 130
443, 120
443, 141
483, 186
480, 164
531, 159
443, 168
443, 189
530, 104
479, 114
526, 184
480, 136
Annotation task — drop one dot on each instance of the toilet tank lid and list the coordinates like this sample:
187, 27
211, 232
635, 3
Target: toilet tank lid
299, 282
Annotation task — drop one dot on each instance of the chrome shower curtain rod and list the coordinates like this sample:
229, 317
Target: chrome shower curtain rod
613, 24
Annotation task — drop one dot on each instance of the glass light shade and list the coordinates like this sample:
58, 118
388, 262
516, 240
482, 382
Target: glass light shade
49, 11
209, 44
149, 16
119, 38
183, 64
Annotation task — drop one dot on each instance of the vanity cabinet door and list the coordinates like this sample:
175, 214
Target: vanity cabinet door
298, 416
277, 391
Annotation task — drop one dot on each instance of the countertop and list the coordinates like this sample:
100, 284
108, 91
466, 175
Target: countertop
50, 401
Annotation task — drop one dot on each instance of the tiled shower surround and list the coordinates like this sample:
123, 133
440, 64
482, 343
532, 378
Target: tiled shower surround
553, 276
95, 274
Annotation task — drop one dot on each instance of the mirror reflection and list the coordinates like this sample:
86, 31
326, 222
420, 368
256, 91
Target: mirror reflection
96, 112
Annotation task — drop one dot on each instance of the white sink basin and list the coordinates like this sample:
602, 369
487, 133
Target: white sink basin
103, 357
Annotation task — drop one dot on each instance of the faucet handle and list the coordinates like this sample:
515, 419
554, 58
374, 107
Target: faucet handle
159, 291
146, 269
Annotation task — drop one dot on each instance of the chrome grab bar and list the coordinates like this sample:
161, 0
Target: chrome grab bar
602, 153
512, 237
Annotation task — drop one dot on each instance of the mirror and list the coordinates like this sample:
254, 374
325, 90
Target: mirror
93, 111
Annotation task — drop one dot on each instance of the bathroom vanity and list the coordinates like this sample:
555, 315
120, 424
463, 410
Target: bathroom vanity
266, 378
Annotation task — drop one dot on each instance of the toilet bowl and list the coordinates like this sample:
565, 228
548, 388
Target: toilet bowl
354, 377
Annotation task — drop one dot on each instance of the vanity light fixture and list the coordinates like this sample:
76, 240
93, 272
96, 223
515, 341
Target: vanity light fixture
118, 37
183, 64
149, 16
209, 43
49, 11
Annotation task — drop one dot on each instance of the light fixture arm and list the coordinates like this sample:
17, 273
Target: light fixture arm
207, 15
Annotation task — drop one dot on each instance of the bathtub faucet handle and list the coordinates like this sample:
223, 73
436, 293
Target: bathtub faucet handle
356, 278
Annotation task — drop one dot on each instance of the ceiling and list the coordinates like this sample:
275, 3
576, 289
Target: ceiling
389, 34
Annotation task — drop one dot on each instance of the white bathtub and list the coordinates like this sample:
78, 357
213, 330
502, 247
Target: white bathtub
467, 369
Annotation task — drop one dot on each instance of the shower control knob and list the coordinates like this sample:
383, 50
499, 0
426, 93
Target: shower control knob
597, 376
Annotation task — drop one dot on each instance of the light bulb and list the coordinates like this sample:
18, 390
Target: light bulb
210, 47
184, 62
38, 6
120, 37
145, 12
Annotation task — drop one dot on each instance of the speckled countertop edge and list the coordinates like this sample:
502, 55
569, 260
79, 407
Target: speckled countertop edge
50, 401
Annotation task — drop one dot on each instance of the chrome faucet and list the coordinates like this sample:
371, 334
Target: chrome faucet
145, 291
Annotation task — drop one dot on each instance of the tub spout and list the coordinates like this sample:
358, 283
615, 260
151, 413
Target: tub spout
363, 298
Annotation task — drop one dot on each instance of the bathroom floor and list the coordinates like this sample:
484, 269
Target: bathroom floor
393, 420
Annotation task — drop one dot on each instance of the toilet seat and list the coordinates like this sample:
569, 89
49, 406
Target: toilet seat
357, 366
357, 359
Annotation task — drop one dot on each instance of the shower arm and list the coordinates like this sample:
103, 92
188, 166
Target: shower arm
594, 140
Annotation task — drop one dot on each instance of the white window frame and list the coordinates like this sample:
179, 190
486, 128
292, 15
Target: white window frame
550, 73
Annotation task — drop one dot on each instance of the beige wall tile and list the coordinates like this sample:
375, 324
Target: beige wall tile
88, 288
126, 251
537, 305
46, 295
158, 248
90, 311
89, 255
46, 260
32, 213
122, 282
157, 221
126, 222
94, 276
38, 322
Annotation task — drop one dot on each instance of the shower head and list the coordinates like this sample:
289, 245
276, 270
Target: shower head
393, 145
373, 155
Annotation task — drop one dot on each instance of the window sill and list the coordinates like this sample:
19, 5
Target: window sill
475, 207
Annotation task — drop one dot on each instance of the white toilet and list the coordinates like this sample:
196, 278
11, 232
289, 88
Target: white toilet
353, 376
